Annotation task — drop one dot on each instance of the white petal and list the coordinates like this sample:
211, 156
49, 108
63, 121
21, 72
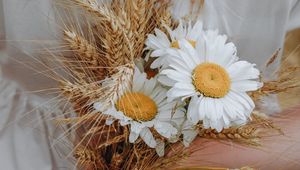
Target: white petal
219, 108
201, 109
133, 137
165, 106
189, 136
174, 93
109, 121
155, 92
179, 117
180, 68
229, 110
165, 80
149, 123
227, 55
245, 85
210, 108
218, 125
176, 75
185, 86
136, 127
165, 129
98, 106
170, 32
124, 122
163, 37
138, 82
226, 120
234, 108
242, 70
180, 32
196, 31
175, 58
187, 59
191, 52
160, 97
149, 86
244, 99
154, 42
158, 62
189, 133
201, 49
160, 148
158, 53
164, 115
193, 112
147, 137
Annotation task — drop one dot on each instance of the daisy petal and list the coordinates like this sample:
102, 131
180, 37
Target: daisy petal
196, 31
133, 137
179, 117
160, 148
174, 93
177, 76
165, 129
163, 79
158, 53
186, 46
245, 85
147, 137
193, 112
164, 115
163, 37
139, 80
149, 86
243, 70
136, 127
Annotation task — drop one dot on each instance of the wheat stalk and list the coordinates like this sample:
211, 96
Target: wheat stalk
116, 85
76, 92
94, 8
246, 134
87, 55
88, 158
139, 13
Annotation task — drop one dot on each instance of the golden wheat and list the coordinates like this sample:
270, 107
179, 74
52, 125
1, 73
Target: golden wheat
89, 159
87, 55
246, 134
103, 72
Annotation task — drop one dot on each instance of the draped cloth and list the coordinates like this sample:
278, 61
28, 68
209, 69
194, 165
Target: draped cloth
257, 27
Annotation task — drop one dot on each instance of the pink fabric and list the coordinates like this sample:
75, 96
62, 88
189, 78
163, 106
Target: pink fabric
277, 152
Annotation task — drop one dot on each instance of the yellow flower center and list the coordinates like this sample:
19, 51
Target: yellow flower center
137, 106
175, 44
211, 80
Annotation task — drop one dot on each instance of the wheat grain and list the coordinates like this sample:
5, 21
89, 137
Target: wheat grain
87, 54
246, 134
89, 158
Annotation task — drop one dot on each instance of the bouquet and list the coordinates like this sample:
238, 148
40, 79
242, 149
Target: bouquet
139, 86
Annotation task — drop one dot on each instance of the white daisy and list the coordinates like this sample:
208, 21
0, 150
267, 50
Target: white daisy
145, 108
214, 80
160, 42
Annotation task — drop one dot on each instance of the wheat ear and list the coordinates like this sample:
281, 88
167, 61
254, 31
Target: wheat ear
89, 59
246, 134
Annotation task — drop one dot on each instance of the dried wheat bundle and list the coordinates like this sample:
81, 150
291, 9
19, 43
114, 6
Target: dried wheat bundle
142, 85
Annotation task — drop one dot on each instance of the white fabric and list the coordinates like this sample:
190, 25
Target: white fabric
25, 136
257, 27
21, 145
